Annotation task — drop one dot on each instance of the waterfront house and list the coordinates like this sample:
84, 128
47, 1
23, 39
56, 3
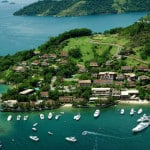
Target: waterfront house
116, 94
129, 94
66, 99
10, 103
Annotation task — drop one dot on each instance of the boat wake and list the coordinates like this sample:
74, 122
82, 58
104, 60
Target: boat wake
105, 135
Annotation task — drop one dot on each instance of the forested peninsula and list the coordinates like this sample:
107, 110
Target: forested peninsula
83, 7
80, 67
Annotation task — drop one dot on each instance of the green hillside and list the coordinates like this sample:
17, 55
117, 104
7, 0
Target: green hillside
83, 7
57, 66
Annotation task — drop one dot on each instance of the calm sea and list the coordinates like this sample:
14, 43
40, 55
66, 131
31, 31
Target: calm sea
111, 131
23, 33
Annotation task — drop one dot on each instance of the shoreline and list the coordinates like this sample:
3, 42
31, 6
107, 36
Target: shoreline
139, 102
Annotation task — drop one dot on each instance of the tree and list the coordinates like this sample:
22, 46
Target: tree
75, 53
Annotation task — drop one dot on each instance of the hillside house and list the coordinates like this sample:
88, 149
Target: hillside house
126, 69
103, 82
101, 91
44, 94
107, 75
84, 82
35, 63
19, 69
94, 64
64, 54
142, 68
27, 92
120, 77
130, 76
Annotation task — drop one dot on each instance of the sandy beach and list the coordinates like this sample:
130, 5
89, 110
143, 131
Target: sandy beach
67, 105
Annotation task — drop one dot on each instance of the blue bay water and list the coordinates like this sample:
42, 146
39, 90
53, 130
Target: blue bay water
27, 32
110, 131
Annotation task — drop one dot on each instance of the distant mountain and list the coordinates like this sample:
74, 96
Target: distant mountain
83, 7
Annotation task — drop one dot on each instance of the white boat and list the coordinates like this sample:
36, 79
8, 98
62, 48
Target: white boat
71, 139
77, 117
9, 118
50, 133
25, 117
144, 118
122, 111
34, 129
96, 113
57, 117
34, 138
132, 111
50, 115
42, 116
18, 117
35, 124
140, 111
141, 126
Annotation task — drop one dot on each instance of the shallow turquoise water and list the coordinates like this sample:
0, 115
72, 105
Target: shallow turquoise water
110, 131
3, 88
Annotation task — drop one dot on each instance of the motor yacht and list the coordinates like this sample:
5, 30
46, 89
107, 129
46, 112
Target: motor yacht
132, 111
18, 117
57, 117
141, 126
50, 115
140, 111
50, 133
96, 113
71, 139
122, 111
35, 124
34, 138
9, 118
34, 129
77, 117
42, 116
25, 117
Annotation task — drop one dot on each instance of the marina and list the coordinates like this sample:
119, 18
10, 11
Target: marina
110, 126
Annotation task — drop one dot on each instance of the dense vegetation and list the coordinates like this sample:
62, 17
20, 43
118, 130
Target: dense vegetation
83, 7
46, 69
